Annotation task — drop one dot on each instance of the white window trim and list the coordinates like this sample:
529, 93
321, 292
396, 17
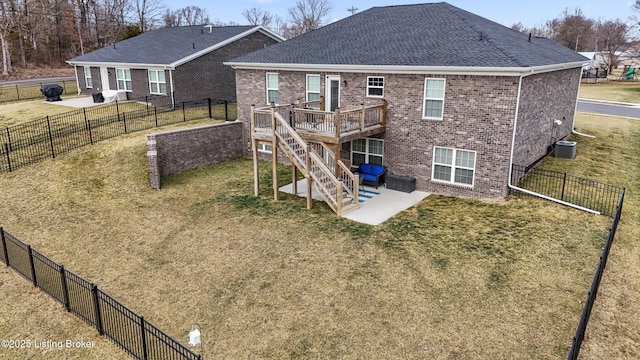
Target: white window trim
124, 72
375, 87
267, 86
262, 148
87, 77
425, 98
366, 152
454, 167
307, 92
157, 82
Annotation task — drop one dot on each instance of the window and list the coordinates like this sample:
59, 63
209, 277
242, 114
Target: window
454, 166
87, 77
313, 87
157, 84
272, 88
375, 86
433, 98
123, 78
369, 151
264, 148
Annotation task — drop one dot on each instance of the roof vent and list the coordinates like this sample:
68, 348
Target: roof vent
210, 28
529, 37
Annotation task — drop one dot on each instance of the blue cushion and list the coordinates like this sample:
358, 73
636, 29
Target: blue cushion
369, 178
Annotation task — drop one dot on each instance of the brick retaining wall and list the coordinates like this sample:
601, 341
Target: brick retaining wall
178, 151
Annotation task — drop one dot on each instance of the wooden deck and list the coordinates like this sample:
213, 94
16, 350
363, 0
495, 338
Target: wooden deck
327, 127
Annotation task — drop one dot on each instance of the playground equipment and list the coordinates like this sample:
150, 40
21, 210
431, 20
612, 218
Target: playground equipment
631, 74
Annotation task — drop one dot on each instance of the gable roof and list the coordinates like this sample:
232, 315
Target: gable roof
435, 35
168, 47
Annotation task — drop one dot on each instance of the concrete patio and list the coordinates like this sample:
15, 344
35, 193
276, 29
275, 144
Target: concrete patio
376, 205
76, 102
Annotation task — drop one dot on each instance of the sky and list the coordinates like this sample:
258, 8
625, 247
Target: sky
530, 13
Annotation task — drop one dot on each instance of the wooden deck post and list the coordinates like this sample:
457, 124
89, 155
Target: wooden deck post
254, 150
309, 179
321, 103
274, 153
336, 122
294, 179
383, 114
362, 117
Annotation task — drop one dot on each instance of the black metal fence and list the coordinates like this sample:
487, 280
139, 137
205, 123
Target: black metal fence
130, 331
595, 284
16, 92
52, 135
584, 192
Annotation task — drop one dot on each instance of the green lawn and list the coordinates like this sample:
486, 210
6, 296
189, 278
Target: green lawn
449, 278
624, 91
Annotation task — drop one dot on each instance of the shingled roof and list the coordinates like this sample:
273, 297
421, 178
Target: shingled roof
424, 35
169, 46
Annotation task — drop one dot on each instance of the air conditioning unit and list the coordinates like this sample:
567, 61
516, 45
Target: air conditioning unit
565, 149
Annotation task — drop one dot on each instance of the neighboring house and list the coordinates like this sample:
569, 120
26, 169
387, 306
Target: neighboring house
185, 63
464, 97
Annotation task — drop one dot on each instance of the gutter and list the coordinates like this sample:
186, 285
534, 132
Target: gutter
405, 69
513, 142
75, 70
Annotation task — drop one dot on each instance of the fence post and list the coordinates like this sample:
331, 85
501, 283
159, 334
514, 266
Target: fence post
226, 110
96, 308
118, 110
33, 268
144, 338
65, 290
4, 247
53, 153
184, 115
209, 102
124, 121
18, 92
564, 181
6, 149
9, 138
155, 114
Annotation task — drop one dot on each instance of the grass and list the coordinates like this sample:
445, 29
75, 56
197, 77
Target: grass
449, 278
624, 91
32, 91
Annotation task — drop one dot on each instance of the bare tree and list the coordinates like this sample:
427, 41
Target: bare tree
148, 13
256, 16
307, 15
6, 23
574, 31
612, 36
193, 15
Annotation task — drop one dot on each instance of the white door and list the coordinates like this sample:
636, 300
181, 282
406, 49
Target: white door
332, 90
104, 78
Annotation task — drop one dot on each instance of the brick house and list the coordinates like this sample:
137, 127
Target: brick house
462, 97
183, 63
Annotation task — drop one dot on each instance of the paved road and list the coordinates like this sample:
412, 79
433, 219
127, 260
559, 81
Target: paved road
608, 109
38, 81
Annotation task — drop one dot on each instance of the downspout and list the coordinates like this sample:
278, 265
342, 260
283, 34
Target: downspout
575, 111
173, 99
75, 70
513, 143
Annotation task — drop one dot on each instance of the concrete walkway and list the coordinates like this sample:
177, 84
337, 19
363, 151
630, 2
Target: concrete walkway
376, 205
76, 102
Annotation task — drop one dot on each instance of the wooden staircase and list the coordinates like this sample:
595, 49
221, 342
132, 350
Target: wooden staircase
332, 179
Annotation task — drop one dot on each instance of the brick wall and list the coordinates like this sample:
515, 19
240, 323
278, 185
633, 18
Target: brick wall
478, 116
182, 150
545, 98
208, 77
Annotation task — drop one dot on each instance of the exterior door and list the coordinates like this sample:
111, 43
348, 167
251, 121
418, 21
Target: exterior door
104, 78
332, 89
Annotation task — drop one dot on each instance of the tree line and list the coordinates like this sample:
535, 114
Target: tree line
580, 33
49, 32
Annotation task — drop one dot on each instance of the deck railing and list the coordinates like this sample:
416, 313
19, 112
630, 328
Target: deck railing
307, 117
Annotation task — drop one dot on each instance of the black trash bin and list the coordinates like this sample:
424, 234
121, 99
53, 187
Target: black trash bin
97, 97
52, 92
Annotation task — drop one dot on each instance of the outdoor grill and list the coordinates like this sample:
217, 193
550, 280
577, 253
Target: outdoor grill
52, 92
